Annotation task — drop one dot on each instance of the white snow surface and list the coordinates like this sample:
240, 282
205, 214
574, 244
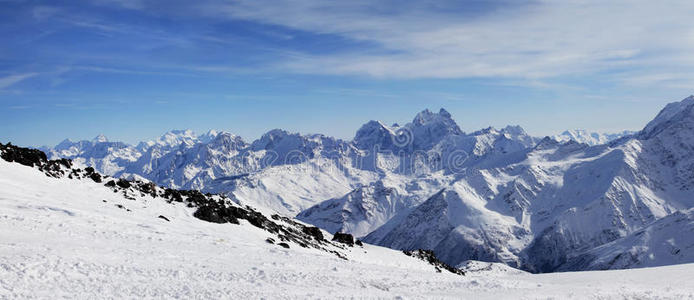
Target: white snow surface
59, 239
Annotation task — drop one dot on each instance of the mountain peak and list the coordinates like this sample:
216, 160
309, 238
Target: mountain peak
444, 113
373, 133
672, 113
427, 116
100, 139
514, 130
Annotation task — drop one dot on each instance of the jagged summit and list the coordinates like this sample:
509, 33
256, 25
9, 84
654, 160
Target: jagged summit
100, 139
442, 120
675, 113
374, 133
427, 116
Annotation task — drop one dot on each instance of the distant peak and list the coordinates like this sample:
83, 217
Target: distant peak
276, 133
545, 143
100, 139
487, 130
444, 113
66, 143
514, 130
181, 132
427, 116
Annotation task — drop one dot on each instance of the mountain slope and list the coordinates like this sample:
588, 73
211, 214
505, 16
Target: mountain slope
557, 200
60, 239
495, 195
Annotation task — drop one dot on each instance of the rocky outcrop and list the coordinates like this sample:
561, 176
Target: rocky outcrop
430, 257
344, 238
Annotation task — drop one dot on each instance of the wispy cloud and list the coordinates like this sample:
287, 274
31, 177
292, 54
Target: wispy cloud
539, 40
524, 43
10, 80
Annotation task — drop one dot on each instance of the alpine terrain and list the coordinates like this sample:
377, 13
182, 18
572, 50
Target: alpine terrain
497, 195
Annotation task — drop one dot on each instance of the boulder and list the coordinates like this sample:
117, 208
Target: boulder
344, 238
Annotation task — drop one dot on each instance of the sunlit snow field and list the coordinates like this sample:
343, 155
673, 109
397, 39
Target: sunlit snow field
58, 238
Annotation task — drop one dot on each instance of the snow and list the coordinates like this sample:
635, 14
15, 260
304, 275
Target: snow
510, 198
590, 138
59, 239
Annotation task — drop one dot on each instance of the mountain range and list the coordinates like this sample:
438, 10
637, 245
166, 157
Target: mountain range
574, 202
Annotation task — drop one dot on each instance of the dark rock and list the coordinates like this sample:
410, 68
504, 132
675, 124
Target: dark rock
359, 243
216, 214
314, 232
285, 245
24, 156
111, 183
148, 188
344, 238
123, 183
165, 218
174, 195
270, 240
96, 177
430, 257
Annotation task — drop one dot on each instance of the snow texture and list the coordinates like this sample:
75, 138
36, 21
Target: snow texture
75, 238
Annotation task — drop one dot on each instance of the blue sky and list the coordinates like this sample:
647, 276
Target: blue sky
135, 69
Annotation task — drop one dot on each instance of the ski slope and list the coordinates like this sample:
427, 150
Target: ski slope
70, 238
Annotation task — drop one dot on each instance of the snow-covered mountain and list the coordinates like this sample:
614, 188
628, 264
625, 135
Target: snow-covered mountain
73, 233
493, 194
558, 201
590, 138
289, 172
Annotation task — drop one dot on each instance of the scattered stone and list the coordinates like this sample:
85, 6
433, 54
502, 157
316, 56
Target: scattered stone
111, 183
314, 232
96, 177
216, 214
123, 183
285, 245
344, 238
430, 257
270, 240
359, 243
165, 218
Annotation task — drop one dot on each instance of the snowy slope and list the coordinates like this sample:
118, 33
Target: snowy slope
69, 238
557, 201
667, 241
